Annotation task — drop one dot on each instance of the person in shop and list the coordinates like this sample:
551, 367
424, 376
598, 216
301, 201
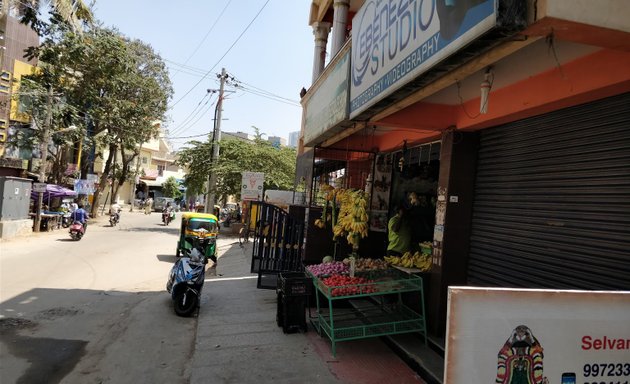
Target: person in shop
399, 233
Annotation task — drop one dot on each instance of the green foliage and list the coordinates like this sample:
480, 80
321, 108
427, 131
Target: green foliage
170, 188
237, 156
73, 13
120, 85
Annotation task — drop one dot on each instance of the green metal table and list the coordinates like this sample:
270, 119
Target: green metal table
377, 310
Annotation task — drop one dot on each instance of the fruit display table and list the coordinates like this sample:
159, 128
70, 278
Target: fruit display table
376, 298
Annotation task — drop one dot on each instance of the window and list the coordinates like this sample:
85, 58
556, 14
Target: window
161, 170
144, 160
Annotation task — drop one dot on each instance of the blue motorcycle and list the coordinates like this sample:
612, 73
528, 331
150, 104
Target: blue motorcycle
186, 279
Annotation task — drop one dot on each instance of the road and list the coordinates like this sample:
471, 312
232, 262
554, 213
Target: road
93, 311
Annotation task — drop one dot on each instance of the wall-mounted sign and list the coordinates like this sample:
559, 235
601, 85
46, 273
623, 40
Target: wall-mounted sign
395, 41
537, 336
328, 105
252, 185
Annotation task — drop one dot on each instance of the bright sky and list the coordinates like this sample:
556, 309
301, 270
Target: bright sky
273, 56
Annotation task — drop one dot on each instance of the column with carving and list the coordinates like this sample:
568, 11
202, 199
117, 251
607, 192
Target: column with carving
321, 31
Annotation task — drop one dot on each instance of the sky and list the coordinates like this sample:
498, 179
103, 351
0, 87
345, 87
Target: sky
265, 45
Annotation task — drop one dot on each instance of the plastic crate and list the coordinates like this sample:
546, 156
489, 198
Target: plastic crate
292, 313
295, 284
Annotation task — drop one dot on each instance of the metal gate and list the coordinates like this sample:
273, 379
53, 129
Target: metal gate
278, 241
552, 200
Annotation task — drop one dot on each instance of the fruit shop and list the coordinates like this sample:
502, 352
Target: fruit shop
352, 195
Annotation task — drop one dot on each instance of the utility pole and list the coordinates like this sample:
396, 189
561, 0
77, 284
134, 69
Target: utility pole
216, 138
43, 148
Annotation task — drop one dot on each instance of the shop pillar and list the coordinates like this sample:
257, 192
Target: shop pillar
321, 31
458, 158
340, 24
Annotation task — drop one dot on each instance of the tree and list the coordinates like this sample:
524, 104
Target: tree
71, 12
121, 86
237, 156
170, 188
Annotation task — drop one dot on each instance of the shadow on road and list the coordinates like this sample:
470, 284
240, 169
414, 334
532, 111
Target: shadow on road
67, 239
160, 228
27, 320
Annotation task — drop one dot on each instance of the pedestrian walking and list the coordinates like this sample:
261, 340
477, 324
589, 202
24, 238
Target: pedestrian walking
148, 205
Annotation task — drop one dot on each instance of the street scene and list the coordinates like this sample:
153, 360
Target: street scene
327, 191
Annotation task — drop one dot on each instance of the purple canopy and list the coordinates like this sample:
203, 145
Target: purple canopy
53, 190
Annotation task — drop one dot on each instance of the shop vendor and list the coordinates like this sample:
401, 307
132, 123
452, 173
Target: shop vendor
399, 233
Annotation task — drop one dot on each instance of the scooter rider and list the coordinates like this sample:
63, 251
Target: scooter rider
167, 209
81, 216
115, 209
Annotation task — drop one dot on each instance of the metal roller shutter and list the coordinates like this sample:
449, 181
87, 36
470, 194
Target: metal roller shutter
552, 200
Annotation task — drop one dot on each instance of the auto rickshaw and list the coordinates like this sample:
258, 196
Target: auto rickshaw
198, 227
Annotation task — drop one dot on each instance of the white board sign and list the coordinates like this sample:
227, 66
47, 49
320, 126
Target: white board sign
252, 185
39, 187
537, 336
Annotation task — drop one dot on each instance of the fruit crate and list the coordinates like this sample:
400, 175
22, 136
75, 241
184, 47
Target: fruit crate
295, 284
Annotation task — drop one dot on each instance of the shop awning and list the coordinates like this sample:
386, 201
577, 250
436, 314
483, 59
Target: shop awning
152, 183
52, 191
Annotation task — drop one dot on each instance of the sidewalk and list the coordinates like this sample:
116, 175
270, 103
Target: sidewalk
238, 340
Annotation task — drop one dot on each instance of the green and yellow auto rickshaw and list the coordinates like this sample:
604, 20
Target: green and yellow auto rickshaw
198, 229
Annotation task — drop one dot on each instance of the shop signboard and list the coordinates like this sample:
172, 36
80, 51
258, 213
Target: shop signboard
252, 185
502, 335
328, 103
393, 42
39, 187
84, 187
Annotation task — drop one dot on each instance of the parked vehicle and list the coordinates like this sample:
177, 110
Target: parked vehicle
186, 279
66, 219
77, 231
200, 227
159, 203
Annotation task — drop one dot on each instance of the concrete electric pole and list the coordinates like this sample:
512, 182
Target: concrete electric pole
216, 138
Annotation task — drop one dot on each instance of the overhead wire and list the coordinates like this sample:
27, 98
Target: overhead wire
181, 126
206, 35
225, 54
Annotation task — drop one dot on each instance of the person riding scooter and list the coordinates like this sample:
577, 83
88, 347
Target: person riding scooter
168, 214
114, 214
81, 216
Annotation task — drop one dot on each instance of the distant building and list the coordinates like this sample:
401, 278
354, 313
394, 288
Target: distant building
16, 37
277, 141
293, 139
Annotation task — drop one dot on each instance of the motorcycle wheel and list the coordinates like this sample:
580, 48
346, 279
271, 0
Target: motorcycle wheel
185, 303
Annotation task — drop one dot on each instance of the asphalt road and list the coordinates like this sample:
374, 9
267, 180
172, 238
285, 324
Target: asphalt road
93, 311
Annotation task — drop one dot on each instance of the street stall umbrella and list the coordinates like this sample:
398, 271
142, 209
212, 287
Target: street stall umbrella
52, 191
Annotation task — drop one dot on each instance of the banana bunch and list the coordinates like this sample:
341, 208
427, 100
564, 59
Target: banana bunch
352, 220
409, 260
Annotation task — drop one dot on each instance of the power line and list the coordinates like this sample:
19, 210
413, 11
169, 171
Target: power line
206, 35
225, 54
193, 113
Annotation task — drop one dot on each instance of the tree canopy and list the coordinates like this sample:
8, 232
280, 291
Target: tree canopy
118, 86
237, 156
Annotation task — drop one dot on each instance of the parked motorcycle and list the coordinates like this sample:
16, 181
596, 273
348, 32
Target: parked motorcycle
77, 231
66, 219
186, 280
